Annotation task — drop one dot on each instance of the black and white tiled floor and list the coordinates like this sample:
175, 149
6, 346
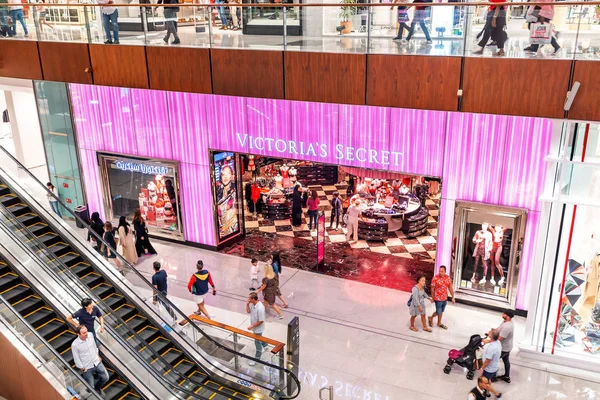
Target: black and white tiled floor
397, 244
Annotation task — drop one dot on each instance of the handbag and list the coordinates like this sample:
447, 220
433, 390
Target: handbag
403, 16
540, 33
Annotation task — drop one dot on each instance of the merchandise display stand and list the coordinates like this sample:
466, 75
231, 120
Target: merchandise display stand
375, 230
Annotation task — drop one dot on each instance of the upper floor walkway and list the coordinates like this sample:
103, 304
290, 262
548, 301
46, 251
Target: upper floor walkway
455, 54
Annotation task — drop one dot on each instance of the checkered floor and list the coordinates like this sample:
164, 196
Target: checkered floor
397, 244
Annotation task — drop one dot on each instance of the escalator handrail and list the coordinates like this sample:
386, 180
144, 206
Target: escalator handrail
55, 353
84, 289
163, 298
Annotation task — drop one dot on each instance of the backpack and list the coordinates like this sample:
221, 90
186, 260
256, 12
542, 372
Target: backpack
410, 300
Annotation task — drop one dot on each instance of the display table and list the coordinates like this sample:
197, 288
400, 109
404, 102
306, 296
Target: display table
394, 219
373, 229
277, 210
317, 174
415, 223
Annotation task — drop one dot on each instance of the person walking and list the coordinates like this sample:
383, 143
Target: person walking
198, 287
171, 22
545, 14
269, 288
254, 274
402, 19
233, 8
353, 216
159, 281
491, 360
142, 241
277, 268
16, 14
440, 285
126, 240
53, 199
421, 14
87, 359
109, 248
222, 15
86, 316
110, 21
42, 14
97, 227
417, 304
297, 207
336, 210
479, 392
506, 331
257, 323
313, 209
494, 28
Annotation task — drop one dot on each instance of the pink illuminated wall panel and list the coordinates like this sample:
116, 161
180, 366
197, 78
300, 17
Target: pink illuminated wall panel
189, 132
315, 123
151, 120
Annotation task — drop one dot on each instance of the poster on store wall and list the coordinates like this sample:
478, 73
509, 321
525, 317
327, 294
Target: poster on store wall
226, 194
321, 241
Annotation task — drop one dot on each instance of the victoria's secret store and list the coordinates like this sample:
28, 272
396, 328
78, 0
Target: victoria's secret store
176, 157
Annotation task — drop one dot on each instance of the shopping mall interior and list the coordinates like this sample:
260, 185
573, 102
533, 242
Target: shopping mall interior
246, 200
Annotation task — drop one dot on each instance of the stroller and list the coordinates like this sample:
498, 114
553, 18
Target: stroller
465, 357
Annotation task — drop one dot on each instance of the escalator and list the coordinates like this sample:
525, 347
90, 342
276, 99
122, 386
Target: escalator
28, 303
149, 339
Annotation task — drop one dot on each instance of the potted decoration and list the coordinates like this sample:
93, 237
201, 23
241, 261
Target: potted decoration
346, 13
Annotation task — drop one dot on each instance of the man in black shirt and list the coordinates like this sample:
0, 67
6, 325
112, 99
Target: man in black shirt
159, 281
86, 316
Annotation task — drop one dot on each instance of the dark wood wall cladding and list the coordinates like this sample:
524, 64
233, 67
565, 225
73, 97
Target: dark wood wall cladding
423, 82
65, 62
513, 86
21, 380
586, 105
326, 77
119, 65
250, 73
20, 59
179, 69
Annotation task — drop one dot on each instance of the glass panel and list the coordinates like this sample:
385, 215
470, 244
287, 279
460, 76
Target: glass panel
61, 23
187, 26
17, 22
581, 181
125, 25
586, 140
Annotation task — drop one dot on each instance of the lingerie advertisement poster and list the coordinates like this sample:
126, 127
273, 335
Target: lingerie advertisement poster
488, 242
226, 194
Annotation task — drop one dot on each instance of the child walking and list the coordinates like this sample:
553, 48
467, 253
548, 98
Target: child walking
254, 275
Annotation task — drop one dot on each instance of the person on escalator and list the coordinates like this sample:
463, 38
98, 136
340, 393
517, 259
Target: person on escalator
87, 359
52, 199
96, 226
86, 316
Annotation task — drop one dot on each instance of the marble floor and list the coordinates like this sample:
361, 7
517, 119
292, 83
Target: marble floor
355, 336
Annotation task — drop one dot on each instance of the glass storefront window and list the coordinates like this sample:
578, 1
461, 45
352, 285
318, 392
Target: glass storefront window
148, 185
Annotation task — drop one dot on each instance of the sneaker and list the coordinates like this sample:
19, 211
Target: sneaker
280, 317
428, 42
176, 41
483, 281
506, 379
166, 40
397, 39
108, 42
556, 52
493, 282
251, 363
116, 42
501, 281
252, 289
529, 49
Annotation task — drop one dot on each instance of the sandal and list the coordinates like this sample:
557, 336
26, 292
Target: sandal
285, 306
430, 319
443, 326
412, 328
427, 330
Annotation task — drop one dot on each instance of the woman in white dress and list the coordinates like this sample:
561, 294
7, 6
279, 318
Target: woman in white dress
126, 240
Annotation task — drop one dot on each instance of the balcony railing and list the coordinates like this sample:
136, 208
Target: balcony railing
454, 28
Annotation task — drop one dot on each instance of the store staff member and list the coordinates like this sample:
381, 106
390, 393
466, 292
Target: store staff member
353, 215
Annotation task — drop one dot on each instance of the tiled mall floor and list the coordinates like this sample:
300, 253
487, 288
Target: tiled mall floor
355, 336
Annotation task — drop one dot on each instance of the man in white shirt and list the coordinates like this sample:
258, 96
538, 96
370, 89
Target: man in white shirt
16, 14
353, 216
85, 355
256, 309
110, 16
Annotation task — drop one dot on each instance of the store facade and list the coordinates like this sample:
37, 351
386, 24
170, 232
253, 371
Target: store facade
483, 160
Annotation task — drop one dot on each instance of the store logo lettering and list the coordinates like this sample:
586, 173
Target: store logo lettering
143, 168
343, 153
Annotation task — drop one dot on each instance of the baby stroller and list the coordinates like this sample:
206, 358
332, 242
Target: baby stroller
465, 357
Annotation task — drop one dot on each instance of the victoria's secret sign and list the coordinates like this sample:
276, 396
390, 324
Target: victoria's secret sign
323, 150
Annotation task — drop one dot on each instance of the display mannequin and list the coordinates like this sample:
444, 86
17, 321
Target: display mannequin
293, 173
251, 165
404, 190
285, 175
498, 235
278, 181
483, 247
152, 191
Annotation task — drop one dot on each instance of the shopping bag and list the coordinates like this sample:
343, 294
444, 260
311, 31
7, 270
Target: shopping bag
402, 16
540, 33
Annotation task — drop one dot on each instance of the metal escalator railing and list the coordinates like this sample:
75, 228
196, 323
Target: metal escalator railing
177, 384
263, 377
48, 358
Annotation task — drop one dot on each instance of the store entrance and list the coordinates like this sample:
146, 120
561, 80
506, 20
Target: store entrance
397, 227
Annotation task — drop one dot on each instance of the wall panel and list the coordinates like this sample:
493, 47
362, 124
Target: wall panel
586, 105
513, 86
20, 59
123, 66
422, 82
325, 77
65, 62
179, 69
